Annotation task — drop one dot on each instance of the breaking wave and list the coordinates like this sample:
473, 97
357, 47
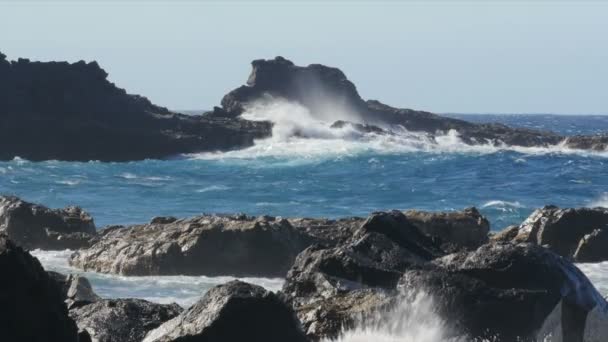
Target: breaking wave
413, 319
600, 202
299, 133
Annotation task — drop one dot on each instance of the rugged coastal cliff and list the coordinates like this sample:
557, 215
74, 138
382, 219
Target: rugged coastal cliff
58, 110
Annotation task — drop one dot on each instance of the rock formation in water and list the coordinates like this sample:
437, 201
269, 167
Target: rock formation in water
576, 233
58, 110
34, 226
233, 312
241, 245
31, 302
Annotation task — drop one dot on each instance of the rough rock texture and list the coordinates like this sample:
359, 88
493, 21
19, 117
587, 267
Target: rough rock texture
324, 89
122, 320
76, 289
204, 245
562, 230
58, 110
509, 291
31, 304
593, 247
328, 286
232, 312
462, 229
34, 226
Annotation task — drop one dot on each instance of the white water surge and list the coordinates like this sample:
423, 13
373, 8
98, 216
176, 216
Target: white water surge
297, 132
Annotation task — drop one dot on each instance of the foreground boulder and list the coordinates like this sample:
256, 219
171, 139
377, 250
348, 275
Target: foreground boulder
31, 303
35, 226
204, 245
330, 286
232, 312
76, 289
122, 320
573, 233
509, 292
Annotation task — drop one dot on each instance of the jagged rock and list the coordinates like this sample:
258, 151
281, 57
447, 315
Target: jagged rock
327, 231
31, 305
505, 235
593, 247
76, 289
561, 230
508, 291
204, 245
34, 226
588, 142
464, 229
122, 320
58, 110
232, 312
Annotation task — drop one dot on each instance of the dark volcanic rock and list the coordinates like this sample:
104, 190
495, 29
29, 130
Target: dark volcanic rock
508, 291
562, 230
122, 320
34, 226
31, 303
232, 312
593, 247
204, 245
461, 229
58, 110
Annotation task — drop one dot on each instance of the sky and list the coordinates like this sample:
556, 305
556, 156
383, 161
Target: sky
457, 57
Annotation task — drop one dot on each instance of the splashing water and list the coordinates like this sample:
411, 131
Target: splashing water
413, 319
299, 133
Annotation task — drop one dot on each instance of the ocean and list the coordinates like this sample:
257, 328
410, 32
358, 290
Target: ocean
306, 169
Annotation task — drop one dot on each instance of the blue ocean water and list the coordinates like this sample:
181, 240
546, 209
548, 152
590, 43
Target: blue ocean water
330, 177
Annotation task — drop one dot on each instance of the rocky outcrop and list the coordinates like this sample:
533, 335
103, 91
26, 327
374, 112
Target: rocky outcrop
122, 320
459, 229
326, 90
232, 312
31, 303
205, 245
509, 291
58, 110
35, 226
568, 232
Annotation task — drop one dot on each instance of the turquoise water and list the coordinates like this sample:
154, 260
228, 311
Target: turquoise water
329, 177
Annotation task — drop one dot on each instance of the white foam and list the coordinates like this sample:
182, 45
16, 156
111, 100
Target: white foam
298, 133
602, 201
504, 206
414, 319
214, 188
128, 175
69, 182
183, 290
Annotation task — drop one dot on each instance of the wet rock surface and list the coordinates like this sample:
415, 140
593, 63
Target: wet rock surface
35, 226
31, 302
235, 311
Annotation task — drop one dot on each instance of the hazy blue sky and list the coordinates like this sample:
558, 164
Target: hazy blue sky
438, 56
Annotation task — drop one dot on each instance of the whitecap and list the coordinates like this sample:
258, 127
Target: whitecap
128, 175
602, 201
69, 182
214, 188
298, 133
502, 205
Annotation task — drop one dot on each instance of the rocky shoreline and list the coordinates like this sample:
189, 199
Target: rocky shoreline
63, 111
519, 283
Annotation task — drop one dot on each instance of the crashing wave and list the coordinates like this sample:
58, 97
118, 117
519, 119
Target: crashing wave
298, 132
